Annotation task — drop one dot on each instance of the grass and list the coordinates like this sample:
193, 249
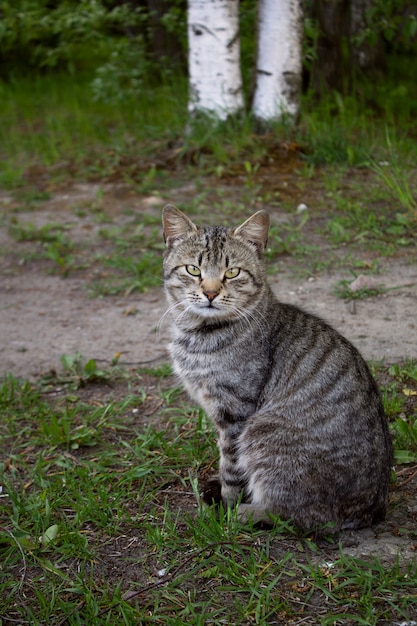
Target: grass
54, 121
101, 521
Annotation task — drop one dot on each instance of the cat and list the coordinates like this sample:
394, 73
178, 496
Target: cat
301, 429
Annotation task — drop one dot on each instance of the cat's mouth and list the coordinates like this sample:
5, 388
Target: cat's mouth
209, 309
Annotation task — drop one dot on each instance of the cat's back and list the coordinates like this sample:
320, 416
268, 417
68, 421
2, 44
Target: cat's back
311, 362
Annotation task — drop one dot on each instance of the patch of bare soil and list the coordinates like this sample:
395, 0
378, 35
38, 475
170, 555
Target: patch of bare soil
44, 315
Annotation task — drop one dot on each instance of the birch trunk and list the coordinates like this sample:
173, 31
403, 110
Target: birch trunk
279, 60
214, 57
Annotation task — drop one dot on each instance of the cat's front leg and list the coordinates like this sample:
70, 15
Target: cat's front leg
231, 478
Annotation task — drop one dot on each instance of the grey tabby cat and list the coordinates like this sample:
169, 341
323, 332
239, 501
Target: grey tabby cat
301, 428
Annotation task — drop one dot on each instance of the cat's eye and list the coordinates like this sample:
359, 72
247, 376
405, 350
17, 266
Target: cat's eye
232, 272
193, 270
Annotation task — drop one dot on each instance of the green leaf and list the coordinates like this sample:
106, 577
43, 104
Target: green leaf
49, 535
90, 368
402, 457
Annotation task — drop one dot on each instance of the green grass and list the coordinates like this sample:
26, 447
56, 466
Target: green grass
101, 522
54, 121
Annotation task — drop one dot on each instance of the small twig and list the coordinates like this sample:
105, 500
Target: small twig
208, 469
137, 363
177, 493
129, 595
22, 578
410, 478
15, 621
171, 576
406, 469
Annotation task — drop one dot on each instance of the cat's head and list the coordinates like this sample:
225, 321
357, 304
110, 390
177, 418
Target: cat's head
214, 272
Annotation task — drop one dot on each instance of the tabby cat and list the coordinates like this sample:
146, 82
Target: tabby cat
301, 428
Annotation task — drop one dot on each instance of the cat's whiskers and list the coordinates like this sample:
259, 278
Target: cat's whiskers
250, 320
184, 312
164, 316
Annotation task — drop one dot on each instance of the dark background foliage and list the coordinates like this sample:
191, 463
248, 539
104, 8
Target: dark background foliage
344, 40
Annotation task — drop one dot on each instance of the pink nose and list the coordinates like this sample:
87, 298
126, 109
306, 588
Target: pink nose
210, 295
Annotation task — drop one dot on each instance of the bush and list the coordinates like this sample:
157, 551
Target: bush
70, 36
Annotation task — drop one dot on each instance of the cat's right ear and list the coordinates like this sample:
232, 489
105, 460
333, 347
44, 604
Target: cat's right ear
176, 224
255, 229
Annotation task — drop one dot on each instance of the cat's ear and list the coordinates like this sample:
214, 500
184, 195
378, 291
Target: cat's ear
255, 229
176, 224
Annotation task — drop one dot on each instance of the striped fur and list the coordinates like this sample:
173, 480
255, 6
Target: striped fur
301, 428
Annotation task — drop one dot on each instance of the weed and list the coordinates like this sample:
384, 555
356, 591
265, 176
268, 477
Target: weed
55, 246
333, 134
288, 238
140, 273
137, 271
405, 440
343, 290
399, 399
50, 120
398, 185
362, 588
161, 371
405, 371
355, 224
395, 179
393, 399
81, 371
48, 233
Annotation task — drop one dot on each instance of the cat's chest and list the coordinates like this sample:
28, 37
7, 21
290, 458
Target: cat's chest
228, 377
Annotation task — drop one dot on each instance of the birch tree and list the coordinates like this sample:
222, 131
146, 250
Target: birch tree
279, 60
215, 80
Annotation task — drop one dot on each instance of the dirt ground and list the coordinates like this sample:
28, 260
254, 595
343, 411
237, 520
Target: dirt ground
44, 315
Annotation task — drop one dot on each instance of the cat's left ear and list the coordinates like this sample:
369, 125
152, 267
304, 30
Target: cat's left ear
176, 224
255, 229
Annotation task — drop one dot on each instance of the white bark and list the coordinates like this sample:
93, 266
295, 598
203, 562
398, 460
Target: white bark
214, 57
279, 60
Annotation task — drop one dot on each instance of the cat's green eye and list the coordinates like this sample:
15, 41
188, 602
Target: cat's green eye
193, 270
232, 272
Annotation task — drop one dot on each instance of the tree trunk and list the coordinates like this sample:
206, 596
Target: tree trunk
164, 44
214, 57
331, 69
366, 54
279, 60
341, 22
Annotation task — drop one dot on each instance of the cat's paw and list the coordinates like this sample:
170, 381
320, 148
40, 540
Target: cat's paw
211, 490
256, 515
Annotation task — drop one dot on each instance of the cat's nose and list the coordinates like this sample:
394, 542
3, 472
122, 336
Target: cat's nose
210, 295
